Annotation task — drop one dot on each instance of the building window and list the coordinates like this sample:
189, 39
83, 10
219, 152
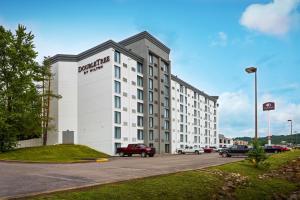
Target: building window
167, 125
181, 98
166, 79
140, 94
150, 122
117, 132
139, 68
181, 127
166, 102
117, 117
151, 135
150, 71
140, 121
140, 81
181, 118
140, 107
185, 138
117, 72
181, 108
150, 109
167, 136
167, 148
150, 96
181, 137
117, 57
165, 67
195, 130
117, 87
150, 58
167, 92
166, 113
195, 139
150, 84
117, 102
181, 88
117, 145
140, 134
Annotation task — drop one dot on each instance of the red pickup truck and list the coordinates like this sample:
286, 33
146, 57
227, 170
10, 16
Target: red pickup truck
141, 149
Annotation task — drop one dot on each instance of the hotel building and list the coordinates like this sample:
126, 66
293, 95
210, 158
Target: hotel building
119, 93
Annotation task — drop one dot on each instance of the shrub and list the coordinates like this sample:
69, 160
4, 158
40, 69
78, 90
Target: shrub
257, 155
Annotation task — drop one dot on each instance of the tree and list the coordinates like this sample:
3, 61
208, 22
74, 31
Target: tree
20, 102
46, 94
257, 155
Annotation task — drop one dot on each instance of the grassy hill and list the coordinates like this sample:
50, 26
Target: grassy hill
276, 139
53, 153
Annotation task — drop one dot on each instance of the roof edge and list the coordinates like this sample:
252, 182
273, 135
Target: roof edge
145, 35
94, 50
175, 78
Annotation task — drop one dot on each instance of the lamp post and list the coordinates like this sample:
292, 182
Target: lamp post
254, 70
291, 123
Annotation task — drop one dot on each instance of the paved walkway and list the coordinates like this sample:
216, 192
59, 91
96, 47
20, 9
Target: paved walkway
18, 179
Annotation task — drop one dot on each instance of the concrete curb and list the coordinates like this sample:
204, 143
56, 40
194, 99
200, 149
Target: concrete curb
55, 163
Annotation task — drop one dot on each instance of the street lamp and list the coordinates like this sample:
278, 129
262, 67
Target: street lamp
254, 70
291, 123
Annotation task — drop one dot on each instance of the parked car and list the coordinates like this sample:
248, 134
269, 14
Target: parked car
208, 150
131, 149
236, 150
187, 149
214, 149
275, 149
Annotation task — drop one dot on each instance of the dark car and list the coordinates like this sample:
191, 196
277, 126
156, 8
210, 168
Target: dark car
131, 149
236, 150
275, 149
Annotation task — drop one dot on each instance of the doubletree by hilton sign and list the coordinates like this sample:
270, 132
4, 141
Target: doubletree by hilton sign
93, 66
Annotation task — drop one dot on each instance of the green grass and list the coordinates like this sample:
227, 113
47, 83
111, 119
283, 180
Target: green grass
53, 153
192, 185
262, 189
185, 185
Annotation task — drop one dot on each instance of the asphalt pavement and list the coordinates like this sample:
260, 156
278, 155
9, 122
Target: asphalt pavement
19, 179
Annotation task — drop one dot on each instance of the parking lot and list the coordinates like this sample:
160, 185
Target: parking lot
19, 179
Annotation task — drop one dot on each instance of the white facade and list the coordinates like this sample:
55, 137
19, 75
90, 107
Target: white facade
194, 117
88, 105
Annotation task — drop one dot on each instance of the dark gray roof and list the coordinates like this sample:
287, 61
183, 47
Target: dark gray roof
148, 36
180, 81
95, 50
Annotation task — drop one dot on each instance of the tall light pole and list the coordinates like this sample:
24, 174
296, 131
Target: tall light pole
254, 70
291, 123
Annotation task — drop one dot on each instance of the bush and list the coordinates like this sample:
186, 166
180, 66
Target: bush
257, 155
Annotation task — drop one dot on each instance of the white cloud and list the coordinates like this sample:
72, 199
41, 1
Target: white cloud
220, 40
237, 115
275, 18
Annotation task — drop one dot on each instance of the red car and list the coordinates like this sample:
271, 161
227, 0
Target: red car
208, 150
283, 148
131, 149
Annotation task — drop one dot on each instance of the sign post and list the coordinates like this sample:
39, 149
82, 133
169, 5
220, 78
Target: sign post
268, 106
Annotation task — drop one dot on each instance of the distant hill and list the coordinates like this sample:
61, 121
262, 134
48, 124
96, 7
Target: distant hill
276, 139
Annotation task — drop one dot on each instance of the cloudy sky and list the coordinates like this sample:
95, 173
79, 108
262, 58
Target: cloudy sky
211, 41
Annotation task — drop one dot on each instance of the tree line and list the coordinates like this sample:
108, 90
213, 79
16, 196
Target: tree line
25, 89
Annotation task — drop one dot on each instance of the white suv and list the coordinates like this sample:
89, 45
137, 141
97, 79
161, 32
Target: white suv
187, 149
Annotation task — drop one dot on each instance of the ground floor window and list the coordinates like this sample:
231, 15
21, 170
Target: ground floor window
150, 144
117, 145
167, 148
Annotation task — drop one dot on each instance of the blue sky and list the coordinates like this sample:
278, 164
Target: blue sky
211, 42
